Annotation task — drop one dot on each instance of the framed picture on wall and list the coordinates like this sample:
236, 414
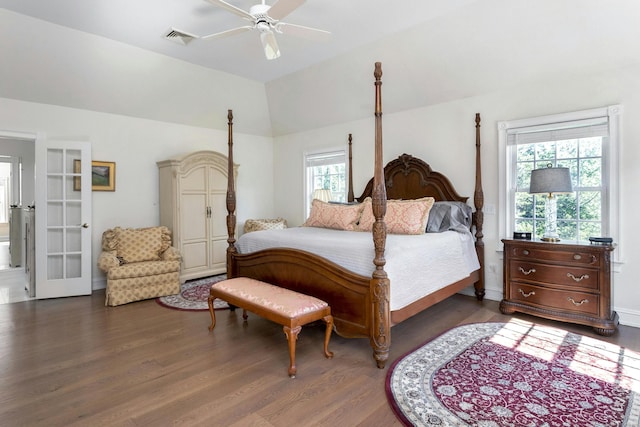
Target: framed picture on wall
103, 176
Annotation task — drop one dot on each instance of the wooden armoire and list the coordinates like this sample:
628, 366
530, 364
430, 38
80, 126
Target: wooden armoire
193, 205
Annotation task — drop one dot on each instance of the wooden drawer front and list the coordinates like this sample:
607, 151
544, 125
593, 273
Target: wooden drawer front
578, 258
554, 274
579, 302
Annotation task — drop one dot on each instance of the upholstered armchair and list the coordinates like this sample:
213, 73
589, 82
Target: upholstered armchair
140, 263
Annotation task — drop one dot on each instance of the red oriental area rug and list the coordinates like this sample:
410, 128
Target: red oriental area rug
194, 295
516, 374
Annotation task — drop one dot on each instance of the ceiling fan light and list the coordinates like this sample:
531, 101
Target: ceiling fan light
271, 49
263, 26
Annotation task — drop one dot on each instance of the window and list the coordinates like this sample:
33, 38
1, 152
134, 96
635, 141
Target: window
5, 190
326, 171
10, 181
585, 142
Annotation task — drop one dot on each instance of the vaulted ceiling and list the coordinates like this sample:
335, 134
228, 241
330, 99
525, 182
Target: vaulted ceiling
433, 51
143, 23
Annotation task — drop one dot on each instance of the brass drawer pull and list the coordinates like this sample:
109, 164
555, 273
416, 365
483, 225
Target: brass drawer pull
526, 273
577, 303
578, 279
527, 295
525, 252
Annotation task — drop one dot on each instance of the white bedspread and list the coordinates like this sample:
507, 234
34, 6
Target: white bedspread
416, 265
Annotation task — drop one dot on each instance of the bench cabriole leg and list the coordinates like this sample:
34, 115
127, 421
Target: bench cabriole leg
292, 337
212, 311
327, 336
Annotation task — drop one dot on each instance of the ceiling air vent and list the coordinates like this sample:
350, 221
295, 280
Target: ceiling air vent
179, 36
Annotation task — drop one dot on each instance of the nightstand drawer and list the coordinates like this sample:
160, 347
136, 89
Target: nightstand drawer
577, 302
561, 256
564, 275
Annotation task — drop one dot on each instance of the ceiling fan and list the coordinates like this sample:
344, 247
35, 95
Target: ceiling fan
266, 19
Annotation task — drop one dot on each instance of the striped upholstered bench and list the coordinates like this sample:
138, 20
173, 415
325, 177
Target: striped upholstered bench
290, 309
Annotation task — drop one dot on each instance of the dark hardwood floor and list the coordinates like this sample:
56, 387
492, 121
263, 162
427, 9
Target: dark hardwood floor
72, 361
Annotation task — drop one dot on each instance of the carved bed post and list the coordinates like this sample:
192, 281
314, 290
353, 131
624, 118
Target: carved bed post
350, 195
231, 199
478, 215
379, 287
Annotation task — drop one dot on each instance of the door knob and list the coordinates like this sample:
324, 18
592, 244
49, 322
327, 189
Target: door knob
85, 225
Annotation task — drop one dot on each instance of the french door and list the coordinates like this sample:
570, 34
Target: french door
63, 214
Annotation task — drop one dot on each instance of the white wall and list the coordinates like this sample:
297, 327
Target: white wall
135, 145
484, 47
443, 135
50, 64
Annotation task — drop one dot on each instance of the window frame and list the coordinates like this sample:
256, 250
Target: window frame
610, 171
308, 191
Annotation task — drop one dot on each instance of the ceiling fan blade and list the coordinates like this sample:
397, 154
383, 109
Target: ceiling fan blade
302, 31
282, 8
271, 49
230, 32
231, 8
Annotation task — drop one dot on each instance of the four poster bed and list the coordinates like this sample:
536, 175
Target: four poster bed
362, 302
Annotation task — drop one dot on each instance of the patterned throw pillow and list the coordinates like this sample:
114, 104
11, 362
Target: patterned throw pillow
330, 215
264, 224
402, 217
141, 244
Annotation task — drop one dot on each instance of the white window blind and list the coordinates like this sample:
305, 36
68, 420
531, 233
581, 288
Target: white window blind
559, 131
325, 159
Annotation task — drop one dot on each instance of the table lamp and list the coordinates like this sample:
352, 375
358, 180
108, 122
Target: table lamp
322, 194
550, 181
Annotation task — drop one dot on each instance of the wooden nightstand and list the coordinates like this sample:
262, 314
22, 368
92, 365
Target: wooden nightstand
569, 282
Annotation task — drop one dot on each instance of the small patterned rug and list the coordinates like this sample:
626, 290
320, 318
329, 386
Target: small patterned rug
515, 374
194, 295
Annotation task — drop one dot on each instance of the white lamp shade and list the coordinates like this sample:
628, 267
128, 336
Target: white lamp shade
550, 180
320, 194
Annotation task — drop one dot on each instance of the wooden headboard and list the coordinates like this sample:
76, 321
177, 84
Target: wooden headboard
408, 177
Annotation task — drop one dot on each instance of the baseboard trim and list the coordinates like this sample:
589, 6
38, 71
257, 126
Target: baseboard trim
490, 294
629, 317
98, 284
